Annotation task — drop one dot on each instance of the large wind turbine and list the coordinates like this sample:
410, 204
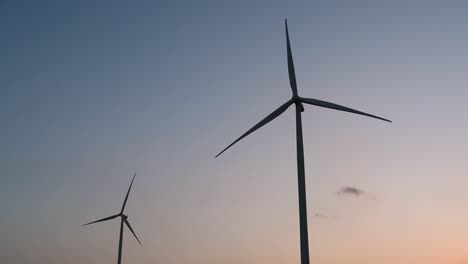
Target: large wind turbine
123, 219
298, 101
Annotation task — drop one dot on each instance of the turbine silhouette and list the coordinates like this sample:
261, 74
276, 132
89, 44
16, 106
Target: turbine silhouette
123, 219
298, 101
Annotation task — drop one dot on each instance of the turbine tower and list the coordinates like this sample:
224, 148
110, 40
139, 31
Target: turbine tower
123, 219
299, 101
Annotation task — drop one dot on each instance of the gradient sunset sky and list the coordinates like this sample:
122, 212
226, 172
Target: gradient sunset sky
93, 91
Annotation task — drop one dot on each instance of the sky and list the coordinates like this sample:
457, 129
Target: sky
93, 91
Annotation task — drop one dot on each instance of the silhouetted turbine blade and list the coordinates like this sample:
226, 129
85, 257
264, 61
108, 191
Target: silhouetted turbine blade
102, 220
267, 119
338, 107
128, 192
292, 73
131, 229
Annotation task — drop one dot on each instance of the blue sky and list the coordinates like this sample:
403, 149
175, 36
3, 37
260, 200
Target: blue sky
91, 92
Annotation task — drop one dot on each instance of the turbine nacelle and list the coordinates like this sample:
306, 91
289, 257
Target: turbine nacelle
297, 101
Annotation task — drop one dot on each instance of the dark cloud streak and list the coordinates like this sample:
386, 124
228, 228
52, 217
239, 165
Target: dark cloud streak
348, 190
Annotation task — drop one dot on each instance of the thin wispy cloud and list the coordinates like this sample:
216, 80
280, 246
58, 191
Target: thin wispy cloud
320, 215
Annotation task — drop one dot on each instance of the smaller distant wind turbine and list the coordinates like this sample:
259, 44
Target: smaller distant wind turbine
123, 219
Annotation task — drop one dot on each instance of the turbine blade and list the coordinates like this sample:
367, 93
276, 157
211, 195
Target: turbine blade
128, 192
267, 119
338, 107
131, 229
103, 219
291, 71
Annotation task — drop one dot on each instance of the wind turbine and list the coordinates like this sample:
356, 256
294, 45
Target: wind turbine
298, 101
123, 219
